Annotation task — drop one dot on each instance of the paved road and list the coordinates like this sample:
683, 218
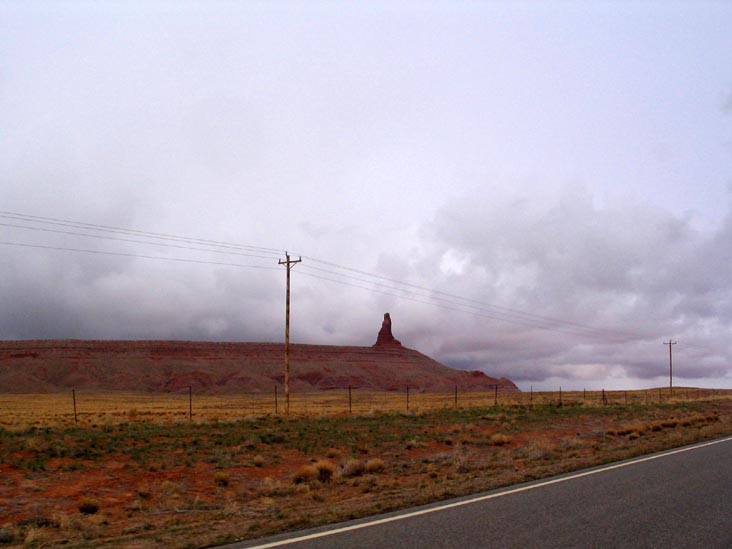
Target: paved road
681, 498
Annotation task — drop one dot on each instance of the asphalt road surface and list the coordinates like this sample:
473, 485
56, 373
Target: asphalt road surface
675, 499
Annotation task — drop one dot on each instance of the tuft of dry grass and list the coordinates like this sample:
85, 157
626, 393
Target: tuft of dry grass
500, 439
374, 465
325, 470
88, 506
221, 478
305, 473
352, 468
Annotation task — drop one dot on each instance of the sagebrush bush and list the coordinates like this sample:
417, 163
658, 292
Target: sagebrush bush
306, 473
375, 465
221, 478
352, 468
325, 470
88, 506
500, 439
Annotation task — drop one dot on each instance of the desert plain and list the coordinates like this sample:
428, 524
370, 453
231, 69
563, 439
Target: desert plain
139, 471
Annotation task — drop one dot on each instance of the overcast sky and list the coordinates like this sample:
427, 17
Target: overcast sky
542, 191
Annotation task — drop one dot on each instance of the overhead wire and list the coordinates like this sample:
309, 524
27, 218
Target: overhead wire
142, 256
345, 275
490, 311
444, 304
132, 240
121, 230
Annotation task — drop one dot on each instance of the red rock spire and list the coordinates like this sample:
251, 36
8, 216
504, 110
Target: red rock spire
385, 337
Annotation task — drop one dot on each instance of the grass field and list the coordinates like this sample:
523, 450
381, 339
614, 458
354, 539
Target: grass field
93, 409
136, 472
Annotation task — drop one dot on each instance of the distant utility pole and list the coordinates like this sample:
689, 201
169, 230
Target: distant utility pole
670, 344
288, 263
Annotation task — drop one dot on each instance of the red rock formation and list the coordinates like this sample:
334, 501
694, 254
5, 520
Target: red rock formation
385, 337
225, 368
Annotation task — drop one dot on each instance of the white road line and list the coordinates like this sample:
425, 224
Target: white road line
486, 497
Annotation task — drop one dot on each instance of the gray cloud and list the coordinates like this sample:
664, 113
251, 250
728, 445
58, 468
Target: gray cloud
638, 273
431, 149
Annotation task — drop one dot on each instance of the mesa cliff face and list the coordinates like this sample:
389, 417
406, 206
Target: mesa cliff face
34, 366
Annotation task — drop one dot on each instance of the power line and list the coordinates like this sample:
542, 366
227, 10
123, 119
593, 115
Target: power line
116, 239
497, 312
121, 230
121, 254
429, 296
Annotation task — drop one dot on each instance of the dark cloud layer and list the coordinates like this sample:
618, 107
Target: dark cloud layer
639, 274
552, 181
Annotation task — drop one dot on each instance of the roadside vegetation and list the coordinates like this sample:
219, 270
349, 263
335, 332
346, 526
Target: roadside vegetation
182, 483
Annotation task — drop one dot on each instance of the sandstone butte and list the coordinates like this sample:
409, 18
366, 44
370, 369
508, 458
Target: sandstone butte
40, 366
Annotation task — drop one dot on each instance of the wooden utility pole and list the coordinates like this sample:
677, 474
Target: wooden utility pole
288, 263
670, 344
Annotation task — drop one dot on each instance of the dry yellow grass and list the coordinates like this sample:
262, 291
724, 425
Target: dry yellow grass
92, 409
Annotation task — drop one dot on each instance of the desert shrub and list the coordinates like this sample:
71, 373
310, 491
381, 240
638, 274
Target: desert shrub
221, 478
257, 461
670, 423
352, 468
325, 470
6, 536
274, 488
638, 428
272, 438
169, 488
412, 443
375, 465
88, 506
460, 462
369, 484
306, 473
500, 439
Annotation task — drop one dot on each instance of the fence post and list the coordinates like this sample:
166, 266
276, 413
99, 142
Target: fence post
350, 402
73, 395
560, 396
495, 395
190, 403
275, 399
407, 398
455, 396
531, 396
604, 398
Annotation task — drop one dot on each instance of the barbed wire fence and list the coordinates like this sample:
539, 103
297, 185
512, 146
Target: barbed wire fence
92, 409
